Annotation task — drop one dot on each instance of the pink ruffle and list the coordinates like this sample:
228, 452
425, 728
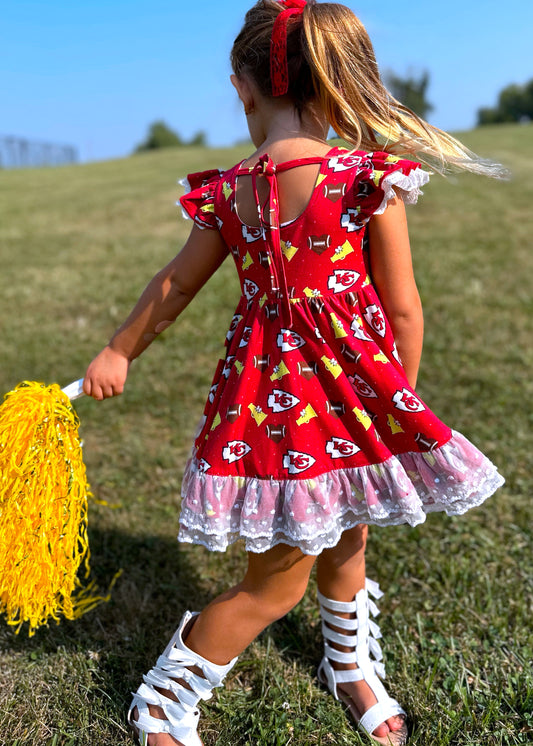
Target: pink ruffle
312, 513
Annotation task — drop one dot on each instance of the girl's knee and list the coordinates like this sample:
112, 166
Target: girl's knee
357, 535
277, 581
350, 548
291, 596
277, 605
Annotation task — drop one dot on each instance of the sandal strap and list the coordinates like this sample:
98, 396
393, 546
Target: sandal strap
350, 607
178, 656
338, 656
349, 625
352, 674
177, 721
200, 687
180, 725
339, 637
344, 607
373, 588
146, 723
173, 668
361, 633
378, 713
338, 621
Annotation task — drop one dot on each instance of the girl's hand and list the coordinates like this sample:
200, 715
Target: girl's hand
163, 299
106, 375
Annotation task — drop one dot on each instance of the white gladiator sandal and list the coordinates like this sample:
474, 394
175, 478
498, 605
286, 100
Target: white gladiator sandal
362, 634
182, 715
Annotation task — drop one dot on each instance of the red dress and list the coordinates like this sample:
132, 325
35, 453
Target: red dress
311, 426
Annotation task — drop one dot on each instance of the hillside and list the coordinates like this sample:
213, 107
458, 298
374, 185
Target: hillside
77, 245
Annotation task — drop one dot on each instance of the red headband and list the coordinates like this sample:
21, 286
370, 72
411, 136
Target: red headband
279, 68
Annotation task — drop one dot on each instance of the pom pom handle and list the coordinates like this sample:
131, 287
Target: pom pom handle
74, 390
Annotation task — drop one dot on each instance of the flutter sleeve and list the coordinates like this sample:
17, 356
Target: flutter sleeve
198, 202
384, 177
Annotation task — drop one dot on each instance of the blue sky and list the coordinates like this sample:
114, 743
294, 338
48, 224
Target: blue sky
95, 74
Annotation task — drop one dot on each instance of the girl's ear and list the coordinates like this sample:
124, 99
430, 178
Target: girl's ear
245, 92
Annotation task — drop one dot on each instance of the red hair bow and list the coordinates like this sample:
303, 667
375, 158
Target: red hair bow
279, 68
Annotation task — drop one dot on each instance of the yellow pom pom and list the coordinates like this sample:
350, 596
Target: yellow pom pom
43, 509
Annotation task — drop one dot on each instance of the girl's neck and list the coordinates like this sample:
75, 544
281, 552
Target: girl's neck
285, 134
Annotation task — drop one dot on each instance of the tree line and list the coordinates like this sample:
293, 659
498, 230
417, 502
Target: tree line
160, 135
515, 104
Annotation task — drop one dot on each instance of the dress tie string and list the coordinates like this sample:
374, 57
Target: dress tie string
271, 233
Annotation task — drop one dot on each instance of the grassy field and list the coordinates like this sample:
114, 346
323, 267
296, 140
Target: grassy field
77, 245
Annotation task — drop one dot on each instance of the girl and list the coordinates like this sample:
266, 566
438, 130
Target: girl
312, 428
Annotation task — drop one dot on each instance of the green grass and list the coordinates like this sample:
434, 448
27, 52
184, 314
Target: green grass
77, 246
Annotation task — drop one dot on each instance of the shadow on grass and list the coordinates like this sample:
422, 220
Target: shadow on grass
460, 658
125, 635
121, 639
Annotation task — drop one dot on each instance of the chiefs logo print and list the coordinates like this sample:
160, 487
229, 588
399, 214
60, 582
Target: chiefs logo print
203, 466
362, 387
341, 448
395, 354
252, 234
233, 326
407, 401
350, 220
228, 366
288, 340
345, 162
235, 450
375, 319
250, 289
358, 331
246, 334
281, 401
342, 280
295, 462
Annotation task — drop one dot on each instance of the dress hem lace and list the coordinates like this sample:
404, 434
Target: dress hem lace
312, 514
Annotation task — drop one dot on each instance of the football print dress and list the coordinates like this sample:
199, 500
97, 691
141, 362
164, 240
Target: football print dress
310, 426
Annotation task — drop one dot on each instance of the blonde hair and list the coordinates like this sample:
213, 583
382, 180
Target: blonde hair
331, 61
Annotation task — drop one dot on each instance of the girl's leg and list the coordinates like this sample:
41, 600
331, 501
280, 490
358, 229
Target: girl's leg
274, 583
340, 575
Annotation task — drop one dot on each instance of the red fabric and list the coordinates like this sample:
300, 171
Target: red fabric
311, 382
271, 229
198, 203
279, 71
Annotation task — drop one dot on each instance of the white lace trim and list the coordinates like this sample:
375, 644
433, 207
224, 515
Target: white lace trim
408, 186
312, 513
185, 183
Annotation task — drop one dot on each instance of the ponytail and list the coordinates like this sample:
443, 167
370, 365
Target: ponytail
331, 61
358, 106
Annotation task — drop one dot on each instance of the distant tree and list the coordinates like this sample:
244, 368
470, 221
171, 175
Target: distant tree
488, 116
411, 91
515, 103
198, 139
159, 136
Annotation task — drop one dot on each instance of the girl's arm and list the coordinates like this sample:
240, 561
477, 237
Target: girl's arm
164, 298
392, 273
